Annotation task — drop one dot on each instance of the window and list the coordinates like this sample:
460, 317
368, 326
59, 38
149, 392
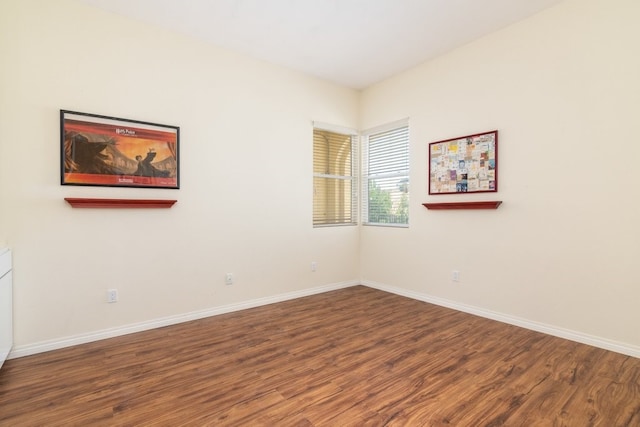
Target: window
334, 186
385, 184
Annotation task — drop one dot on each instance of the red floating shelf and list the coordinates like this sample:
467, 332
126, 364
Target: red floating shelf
463, 205
119, 203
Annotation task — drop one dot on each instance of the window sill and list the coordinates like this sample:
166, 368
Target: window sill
379, 224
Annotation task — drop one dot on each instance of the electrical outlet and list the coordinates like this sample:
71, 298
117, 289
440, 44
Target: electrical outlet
314, 266
228, 278
112, 295
455, 275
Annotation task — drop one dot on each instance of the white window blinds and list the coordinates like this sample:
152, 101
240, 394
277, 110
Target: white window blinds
385, 184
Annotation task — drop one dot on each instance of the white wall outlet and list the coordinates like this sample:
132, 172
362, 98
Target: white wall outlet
112, 295
455, 275
228, 278
314, 266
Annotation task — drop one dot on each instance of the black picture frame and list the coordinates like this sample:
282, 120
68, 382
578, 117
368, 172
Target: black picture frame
97, 150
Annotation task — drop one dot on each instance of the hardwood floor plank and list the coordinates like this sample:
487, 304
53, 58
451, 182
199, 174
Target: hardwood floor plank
352, 357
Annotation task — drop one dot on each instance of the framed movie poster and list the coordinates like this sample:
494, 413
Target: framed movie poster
467, 164
110, 151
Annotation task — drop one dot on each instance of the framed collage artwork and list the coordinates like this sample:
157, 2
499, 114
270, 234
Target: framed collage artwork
467, 164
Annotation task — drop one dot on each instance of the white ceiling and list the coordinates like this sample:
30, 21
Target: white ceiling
354, 43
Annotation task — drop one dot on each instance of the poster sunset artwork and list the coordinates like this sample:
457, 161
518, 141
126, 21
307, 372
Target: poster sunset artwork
110, 151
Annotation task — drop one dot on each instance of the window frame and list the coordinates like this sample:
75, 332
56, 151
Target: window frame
366, 177
353, 178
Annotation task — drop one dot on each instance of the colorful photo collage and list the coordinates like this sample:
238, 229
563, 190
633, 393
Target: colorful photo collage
464, 165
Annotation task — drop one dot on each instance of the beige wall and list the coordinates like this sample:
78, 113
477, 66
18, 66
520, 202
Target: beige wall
246, 174
563, 90
561, 87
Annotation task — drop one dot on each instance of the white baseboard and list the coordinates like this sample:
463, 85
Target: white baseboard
40, 347
55, 344
580, 337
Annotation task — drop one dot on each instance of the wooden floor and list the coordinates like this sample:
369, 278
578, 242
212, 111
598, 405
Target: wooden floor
352, 357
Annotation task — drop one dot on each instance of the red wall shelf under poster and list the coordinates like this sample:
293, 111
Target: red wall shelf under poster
463, 205
119, 203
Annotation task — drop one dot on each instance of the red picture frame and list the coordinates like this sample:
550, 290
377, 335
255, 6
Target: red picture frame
466, 164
